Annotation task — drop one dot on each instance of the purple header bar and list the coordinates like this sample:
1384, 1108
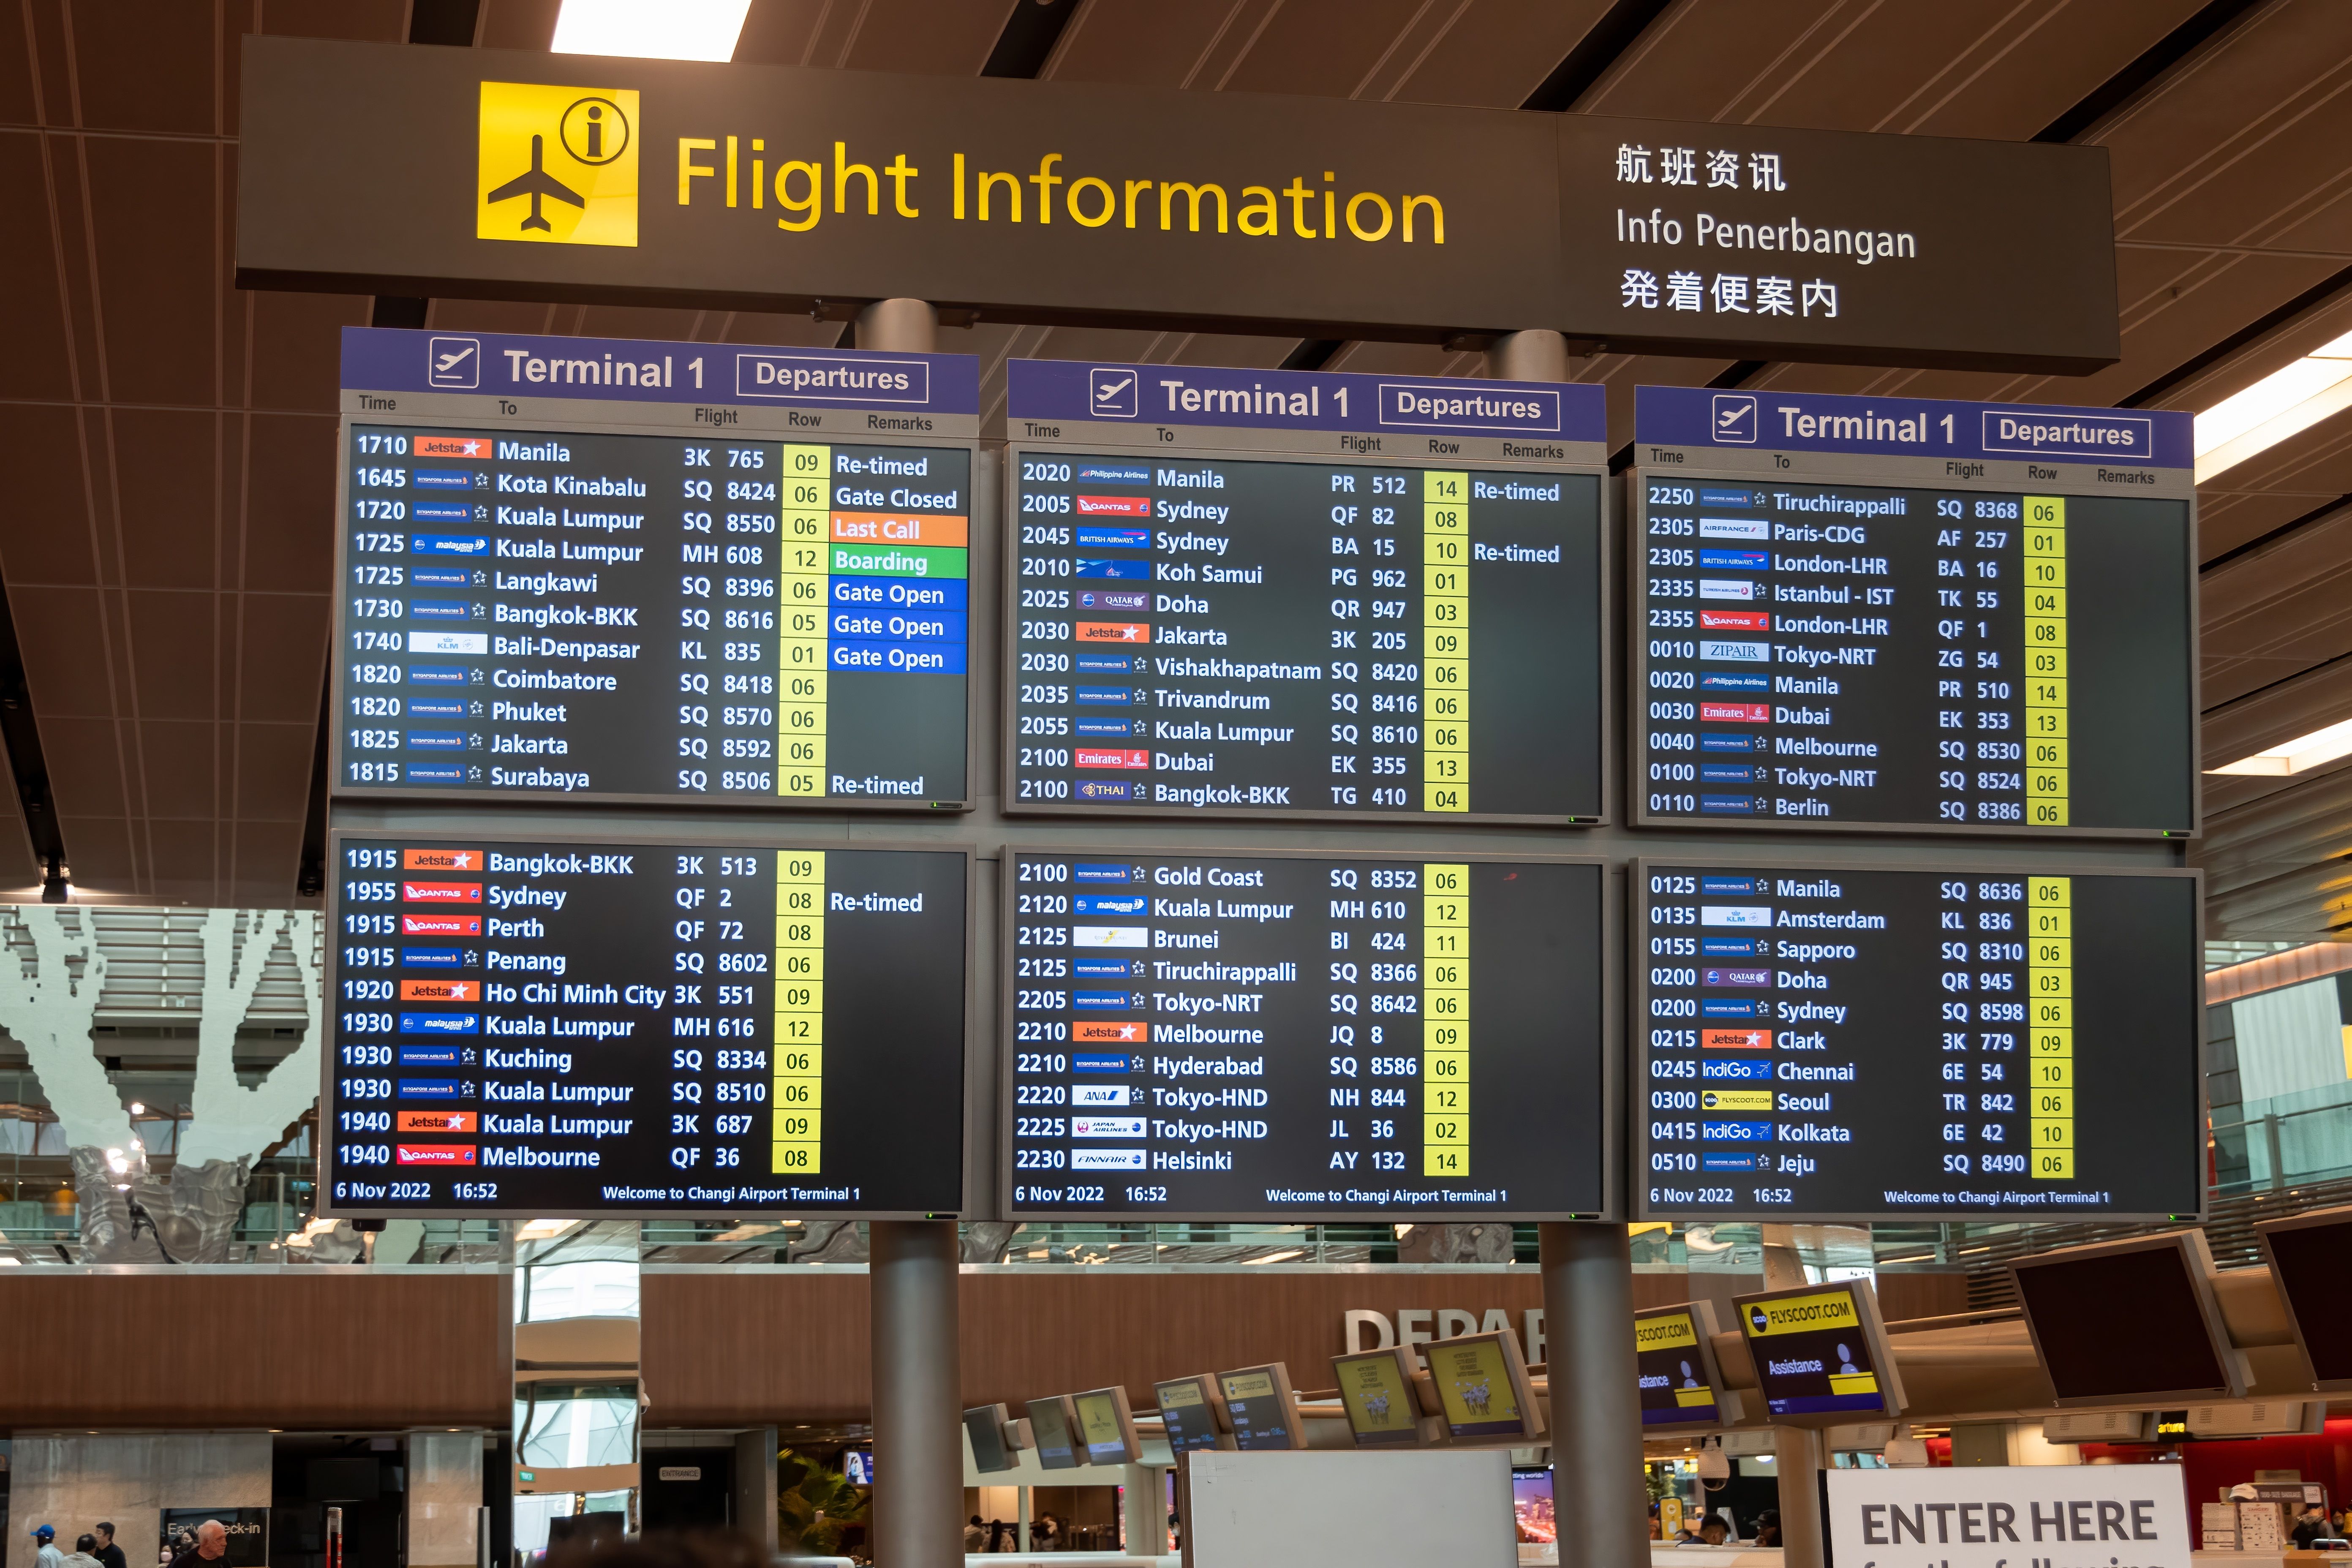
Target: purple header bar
1910, 426
1073, 390
640, 370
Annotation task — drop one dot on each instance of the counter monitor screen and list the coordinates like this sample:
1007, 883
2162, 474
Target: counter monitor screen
1054, 1423
1482, 1387
1245, 1036
1226, 636
1912, 628
2119, 1322
1188, 1409
1824, 1041
1376, 1388
1675, 1366
2311, 1262
1265, 1412
985, 1427
584, 613
529, 1028
1819, 1353
1107, 1426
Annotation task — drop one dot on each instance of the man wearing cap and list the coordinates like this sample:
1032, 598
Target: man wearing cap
48, 1555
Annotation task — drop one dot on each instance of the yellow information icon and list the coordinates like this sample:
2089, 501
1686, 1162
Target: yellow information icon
557, 166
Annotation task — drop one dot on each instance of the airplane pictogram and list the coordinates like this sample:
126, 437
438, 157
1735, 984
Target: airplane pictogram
536, 183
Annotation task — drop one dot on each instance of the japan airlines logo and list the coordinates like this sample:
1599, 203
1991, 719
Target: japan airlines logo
1735, 419
1114, 393
454, 362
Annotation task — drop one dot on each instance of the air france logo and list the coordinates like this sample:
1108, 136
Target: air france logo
1735, 419
454, 362
1115, 392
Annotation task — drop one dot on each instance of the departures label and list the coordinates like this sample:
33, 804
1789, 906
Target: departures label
1276, 637
687, 618
566, 1029
1835, 1042
1222, 1035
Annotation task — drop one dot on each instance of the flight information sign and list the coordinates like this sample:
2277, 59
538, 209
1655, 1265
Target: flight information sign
1293, 594
1204, 1035
1892, 613
566, 1028
649, 572
1830, 1041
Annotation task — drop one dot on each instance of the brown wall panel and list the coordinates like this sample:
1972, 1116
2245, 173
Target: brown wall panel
1923, 1294
315, 1350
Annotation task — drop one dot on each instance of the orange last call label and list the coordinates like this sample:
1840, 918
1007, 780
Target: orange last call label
440, 859
1114, 631
1110, 1031
440, 989
446, 446
900, 527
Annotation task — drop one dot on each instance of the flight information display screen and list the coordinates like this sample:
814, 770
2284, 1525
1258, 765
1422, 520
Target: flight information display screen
682, 618
1847, 642
1230, 1035
1242, 636
572, 1029
1829, 1041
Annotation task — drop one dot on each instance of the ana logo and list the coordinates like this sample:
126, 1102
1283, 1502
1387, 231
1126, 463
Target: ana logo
1735, 419
557, 165
1114, 394
454, 363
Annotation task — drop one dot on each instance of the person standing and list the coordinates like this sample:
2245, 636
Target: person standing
46, 1554
212, 1545
974, 1533
82, 1554
108, 1554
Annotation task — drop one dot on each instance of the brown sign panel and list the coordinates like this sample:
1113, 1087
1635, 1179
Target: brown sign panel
508, 175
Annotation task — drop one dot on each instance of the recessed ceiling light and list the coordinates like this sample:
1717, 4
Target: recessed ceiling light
651, 30
2286, 403
2296, 756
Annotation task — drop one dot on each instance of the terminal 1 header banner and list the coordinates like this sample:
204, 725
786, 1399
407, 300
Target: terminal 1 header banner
489, 174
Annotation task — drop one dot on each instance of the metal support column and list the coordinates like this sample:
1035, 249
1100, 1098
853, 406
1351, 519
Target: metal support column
917, 1415
1797, 1459
1528, 356
1596, 1410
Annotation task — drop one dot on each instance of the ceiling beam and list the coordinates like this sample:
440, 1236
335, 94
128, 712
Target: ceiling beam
1030, 32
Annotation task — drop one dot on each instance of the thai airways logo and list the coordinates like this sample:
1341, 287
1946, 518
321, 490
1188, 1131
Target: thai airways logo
1735, 419
1114, 393
557, 166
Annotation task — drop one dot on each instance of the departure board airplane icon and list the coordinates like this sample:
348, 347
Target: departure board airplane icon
536, 183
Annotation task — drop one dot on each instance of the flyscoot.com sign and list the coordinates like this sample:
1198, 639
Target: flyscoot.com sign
470, 171
2009, 1517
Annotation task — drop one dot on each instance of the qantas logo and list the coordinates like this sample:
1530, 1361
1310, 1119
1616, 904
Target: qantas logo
441, 892
440, 925
1113, 506
435, 1154
1736, 620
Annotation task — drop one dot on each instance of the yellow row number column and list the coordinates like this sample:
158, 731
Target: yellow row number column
799, 1111
2050, 983
805, 497
2045, 661
1446, 1021
1445, 640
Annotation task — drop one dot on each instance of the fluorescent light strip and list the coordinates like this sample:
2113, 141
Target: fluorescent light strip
2286, 403
651, 30
2296, 756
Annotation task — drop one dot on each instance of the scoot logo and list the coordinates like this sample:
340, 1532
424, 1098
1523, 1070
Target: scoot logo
557, 165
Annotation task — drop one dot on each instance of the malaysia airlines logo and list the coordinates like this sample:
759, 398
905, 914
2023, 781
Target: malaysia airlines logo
1735, 419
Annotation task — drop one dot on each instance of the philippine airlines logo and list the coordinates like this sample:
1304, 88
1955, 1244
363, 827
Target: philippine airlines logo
1114, 393
454, 362
1735, 419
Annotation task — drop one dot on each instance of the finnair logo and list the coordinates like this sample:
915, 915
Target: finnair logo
1114, 393
1735, 419
454, 362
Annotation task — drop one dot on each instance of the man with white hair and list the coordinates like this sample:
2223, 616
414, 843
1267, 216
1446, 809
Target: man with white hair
212, 1545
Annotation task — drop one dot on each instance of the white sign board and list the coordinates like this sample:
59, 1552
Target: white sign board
1981, 1518
1409, 1507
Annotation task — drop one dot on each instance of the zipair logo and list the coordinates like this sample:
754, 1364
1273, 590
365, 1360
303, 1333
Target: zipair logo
557, 166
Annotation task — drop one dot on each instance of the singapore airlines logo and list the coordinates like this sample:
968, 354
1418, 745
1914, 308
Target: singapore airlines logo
557, 166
